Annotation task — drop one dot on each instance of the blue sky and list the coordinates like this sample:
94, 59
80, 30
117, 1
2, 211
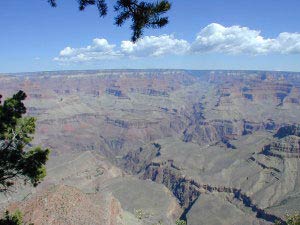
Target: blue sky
202, 34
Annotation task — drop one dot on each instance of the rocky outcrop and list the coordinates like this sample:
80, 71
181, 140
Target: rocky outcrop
264, 166
115, 144
167, 173
286, 143
151, 92
117, 122
137, 161
139, 124
115, 92
288, 130
210, 132
249, 126
68, 205
289, 144
278, 89
187, 190
85, 110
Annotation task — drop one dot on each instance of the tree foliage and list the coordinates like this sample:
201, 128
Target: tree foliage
142, 14
180, 222
291, 219
17, 159
14, 219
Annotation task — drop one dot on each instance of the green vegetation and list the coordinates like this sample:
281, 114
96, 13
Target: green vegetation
14, 219
142, 14
140, 214
293, 219
17, 159
180, 222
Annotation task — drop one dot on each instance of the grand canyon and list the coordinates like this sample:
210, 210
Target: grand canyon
149, 147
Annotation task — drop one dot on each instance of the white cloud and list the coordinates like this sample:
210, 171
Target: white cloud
212, 38
67, 51
288, 43
236, 40
155, 46
100, 49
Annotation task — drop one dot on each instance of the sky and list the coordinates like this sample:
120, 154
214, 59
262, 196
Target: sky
202, 34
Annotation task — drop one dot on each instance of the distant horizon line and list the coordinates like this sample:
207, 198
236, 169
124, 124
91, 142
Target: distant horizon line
149, 69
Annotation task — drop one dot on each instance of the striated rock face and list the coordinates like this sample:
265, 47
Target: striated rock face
210, 132
67, 205
289, 144
184, 190
250, 127
136, 107
137, 161
198, 134
151, 92
255, 86
187, 191
115, 92
288, 130
286, 142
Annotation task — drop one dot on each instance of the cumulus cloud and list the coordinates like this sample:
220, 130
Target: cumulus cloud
212, 38
100, 49
236, 40
155, 46
288, 43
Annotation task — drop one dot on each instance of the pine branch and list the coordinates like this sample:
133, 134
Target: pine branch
142, 14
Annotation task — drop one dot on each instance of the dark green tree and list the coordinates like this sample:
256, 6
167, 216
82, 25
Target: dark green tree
290, 219
14, 219
17, 159
142, 14
180, 222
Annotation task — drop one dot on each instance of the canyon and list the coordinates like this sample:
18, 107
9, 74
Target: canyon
154, 146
